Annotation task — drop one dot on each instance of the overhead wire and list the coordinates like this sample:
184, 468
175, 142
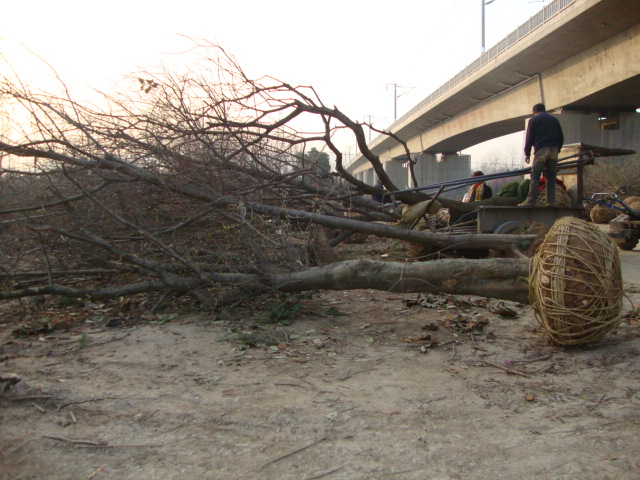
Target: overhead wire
509, 19
442, 23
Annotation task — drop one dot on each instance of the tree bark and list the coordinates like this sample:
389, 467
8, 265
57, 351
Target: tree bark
439, 240
502, 278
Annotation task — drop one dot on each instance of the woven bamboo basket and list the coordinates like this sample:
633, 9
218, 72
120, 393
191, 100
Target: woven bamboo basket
575, 283
635, 204
562, 197
601, 214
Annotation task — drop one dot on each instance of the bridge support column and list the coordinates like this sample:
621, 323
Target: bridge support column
620, 130
369, 177
397, 173
431, 168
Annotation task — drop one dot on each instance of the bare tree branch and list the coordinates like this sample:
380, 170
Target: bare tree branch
198, 182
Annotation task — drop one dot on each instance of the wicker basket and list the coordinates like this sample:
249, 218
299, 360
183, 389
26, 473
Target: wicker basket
575, 283
562, 197
601, 214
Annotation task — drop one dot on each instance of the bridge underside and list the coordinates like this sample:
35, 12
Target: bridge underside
604, 79
622, 97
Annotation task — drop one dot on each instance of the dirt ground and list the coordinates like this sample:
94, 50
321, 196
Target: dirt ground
354, 385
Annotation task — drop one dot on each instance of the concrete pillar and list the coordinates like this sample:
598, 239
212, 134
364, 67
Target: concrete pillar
369, 177
397, 173
622, 131
586, 128
429, 170
424, 168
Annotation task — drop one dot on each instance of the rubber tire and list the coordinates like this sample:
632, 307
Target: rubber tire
508, 227
628, 244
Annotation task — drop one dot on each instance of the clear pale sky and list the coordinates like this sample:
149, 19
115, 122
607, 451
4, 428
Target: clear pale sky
351, 51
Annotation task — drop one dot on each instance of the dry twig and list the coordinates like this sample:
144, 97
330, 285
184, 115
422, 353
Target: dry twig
76, 442
595, 405
324, 474
275, 460
508, 370
89, 400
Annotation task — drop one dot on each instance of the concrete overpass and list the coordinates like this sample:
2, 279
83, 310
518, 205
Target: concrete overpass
579, 57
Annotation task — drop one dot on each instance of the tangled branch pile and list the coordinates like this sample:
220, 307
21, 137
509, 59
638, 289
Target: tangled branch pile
198, 183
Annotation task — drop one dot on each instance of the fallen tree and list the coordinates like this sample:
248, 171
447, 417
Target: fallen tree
199, 183
438, 240
497, 278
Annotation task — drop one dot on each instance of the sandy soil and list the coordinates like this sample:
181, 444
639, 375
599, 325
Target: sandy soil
357, 385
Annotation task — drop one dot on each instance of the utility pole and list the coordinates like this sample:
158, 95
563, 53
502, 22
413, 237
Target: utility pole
369, 123
484, 2
396, 96
395, 100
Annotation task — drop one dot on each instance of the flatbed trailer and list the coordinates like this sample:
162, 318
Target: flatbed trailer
502, 220
625, 230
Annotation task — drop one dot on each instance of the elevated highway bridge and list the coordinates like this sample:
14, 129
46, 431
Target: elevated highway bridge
581, 58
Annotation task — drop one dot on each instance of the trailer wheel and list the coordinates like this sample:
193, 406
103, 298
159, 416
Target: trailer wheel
628, 244
508, 227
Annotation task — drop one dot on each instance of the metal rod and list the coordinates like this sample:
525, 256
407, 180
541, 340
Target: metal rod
512, 173
482, 45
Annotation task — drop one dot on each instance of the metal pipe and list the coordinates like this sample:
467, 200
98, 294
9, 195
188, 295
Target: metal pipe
512, 173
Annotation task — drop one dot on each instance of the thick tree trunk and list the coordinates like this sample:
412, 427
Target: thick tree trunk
502, 278
440, 240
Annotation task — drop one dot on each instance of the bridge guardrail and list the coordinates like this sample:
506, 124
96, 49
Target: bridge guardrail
518, 34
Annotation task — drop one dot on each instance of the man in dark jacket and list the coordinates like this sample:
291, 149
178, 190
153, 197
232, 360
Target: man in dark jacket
544, 135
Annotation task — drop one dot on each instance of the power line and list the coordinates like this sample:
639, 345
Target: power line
509, 19
428, 43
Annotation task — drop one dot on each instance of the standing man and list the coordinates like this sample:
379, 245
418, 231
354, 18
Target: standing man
544, 134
